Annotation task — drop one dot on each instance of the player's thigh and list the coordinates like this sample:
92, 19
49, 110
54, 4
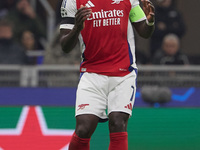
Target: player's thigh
90, 96
122, 97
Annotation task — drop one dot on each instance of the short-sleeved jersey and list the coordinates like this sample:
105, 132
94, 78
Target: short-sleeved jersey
107, 40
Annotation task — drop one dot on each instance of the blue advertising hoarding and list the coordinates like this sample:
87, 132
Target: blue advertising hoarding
181, 97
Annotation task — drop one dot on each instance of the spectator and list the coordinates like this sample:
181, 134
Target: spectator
24, 18
30, 45
28, 41
10, 52
170, 53
168, 20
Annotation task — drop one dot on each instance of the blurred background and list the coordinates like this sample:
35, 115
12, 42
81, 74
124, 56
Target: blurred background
38, 81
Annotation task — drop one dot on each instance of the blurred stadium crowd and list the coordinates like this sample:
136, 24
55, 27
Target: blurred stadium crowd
25, 38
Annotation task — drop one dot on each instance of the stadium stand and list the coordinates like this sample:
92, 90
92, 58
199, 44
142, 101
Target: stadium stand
68, 76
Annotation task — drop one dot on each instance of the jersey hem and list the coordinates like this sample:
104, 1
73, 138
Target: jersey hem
91, 113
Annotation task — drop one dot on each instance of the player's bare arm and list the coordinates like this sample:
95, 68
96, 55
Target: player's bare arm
69, 37
145, 28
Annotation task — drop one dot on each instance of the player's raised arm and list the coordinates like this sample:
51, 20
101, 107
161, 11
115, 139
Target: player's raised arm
146, 27
69, 37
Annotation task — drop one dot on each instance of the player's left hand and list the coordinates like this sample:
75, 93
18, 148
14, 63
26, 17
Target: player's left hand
149, 10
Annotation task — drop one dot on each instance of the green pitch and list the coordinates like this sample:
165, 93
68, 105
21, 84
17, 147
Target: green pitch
158, 129
148, 129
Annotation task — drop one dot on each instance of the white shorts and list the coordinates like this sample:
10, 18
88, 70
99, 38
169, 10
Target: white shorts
98, 94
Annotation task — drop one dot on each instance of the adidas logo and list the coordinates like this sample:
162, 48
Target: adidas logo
129, 106
89, 4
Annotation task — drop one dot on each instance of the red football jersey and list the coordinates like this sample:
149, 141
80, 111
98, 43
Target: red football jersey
107, 40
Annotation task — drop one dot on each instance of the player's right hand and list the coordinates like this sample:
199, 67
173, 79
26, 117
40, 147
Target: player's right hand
82, 14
